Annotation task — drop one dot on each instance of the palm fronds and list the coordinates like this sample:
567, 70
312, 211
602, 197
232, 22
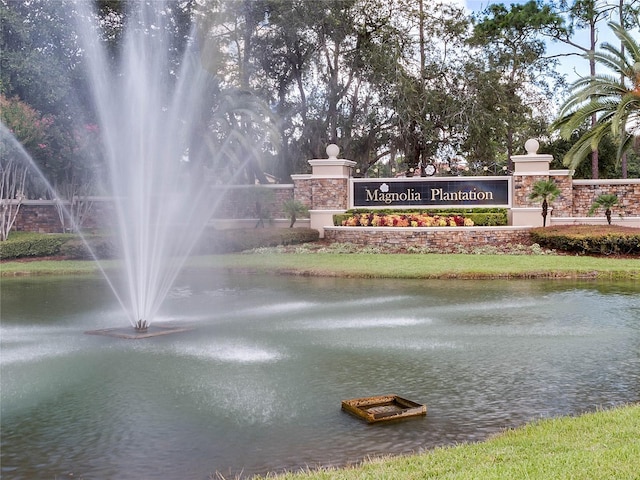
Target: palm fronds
614, 99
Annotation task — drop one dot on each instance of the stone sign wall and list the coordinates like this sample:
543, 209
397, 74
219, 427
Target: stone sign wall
585, 191
331, 189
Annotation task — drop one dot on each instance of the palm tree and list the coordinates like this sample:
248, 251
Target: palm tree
547, 191
613, 98
606, 201
293, 209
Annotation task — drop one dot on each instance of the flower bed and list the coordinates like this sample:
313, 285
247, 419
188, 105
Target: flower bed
406, 220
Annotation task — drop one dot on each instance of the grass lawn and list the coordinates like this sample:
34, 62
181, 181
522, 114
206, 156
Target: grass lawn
378, 265
433, 265
601, 445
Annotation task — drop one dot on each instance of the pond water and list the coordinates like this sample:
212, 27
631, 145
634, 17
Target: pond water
255, 386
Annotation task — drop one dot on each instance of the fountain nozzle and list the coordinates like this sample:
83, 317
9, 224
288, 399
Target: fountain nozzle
141, 326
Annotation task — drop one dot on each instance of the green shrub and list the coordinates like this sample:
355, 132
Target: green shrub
338, 218
238, 240
488, 219
589, 239
71, 246
482, 217
102, 247
294, 209
27, 244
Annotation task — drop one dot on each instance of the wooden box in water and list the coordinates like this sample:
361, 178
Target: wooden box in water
383, 408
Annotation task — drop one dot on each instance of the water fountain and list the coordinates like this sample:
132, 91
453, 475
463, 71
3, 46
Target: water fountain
149, 105
149, 114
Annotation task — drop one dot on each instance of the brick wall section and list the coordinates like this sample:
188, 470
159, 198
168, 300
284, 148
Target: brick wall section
443, 240
239, 203
303, 191
522, 185
329, 193
281, 196
39, 217
563, 204
584, 193
42, 216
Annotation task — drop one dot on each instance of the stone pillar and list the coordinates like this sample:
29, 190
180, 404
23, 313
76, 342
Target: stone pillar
326, 190
528, 169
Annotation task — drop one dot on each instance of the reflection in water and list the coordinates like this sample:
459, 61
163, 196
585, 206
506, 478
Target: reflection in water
256, 385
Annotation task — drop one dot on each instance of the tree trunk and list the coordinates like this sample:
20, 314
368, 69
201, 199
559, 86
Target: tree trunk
592, 72
624, 155
423, 56
545, 209
12, 182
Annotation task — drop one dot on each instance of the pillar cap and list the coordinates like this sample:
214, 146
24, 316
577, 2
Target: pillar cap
332, 151
531, 146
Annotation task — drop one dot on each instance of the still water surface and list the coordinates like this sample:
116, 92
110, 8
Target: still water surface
256, 385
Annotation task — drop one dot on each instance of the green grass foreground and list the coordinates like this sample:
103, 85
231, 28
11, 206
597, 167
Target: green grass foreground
377, 265
50, 267
601, 445
434, 265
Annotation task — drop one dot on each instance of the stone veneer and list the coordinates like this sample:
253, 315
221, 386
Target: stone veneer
42, 215
586, 191
239, 201
329, 194
38, 216
522, 185
563, 204
442, 240
326, 192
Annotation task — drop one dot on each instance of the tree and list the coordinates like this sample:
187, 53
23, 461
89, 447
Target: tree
613, 99
41, 62
237, 121
322, 67
284, 56
13, 177
626, 11
509, 40
24, 143
42, 65
607, 149
293, 209
588, 14
428, 100
547, 191
240, 131
40, 54
606, 201
358, 48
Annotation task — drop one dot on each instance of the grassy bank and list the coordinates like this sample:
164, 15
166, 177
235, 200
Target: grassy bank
47, 267
378, 266
432, 265
592, 446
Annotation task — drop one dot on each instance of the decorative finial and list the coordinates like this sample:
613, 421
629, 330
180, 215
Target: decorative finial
332, 151
531, 146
